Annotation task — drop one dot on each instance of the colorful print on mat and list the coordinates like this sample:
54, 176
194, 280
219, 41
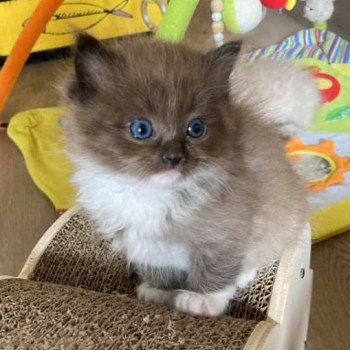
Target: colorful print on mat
334, 85
309, 43
85, 16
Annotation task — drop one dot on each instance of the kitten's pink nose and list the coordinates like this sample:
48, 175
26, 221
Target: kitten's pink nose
173, 159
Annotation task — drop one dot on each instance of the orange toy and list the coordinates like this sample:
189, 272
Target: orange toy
335, 165
23, 46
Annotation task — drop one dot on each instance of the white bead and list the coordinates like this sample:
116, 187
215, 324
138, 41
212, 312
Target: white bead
216, 16
218, 37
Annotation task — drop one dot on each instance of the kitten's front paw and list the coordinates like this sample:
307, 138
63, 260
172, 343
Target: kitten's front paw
199, 304
152, 295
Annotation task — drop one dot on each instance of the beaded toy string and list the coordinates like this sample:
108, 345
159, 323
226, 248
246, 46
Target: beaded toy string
217, 26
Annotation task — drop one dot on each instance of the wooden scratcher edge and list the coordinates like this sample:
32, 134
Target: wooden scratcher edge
44, 241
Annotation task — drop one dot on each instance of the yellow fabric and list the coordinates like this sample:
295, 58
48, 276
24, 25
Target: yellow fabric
331, 221
101, 18
38, 135
343, 68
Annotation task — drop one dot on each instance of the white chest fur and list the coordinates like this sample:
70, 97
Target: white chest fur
156, 253
133, 214
136, 215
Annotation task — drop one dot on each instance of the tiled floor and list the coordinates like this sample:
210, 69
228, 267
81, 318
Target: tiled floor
25, 213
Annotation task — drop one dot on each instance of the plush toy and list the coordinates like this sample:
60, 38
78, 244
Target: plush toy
241, 16
319, 11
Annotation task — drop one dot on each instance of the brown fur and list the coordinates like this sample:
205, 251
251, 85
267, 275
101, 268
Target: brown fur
169, 85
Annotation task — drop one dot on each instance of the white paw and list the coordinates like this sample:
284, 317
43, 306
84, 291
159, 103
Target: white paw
198, 304
151, 295
245, 278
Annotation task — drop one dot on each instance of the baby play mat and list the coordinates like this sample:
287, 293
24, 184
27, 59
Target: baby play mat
73, 293
322, 154
101, 18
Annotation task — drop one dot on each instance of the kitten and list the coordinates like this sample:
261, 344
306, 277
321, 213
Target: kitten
193, 187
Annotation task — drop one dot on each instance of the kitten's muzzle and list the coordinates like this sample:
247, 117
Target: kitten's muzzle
173, 153
173, 159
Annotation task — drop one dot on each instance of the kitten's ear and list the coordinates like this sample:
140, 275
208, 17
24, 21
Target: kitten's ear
93, 61
224, 57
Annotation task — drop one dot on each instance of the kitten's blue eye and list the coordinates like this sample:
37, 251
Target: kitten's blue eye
141, 129
195, 128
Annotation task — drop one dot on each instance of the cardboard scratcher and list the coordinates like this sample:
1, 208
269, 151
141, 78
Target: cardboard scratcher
73, 293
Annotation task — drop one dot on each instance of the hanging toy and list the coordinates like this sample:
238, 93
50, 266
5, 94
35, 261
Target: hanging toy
238, 16
319, 12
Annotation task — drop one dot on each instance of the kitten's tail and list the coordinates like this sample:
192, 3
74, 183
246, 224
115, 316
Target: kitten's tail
281, 92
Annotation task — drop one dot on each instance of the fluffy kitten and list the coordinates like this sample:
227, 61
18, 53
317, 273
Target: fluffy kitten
193, 187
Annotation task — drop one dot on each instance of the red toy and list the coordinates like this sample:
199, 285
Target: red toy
279, 4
